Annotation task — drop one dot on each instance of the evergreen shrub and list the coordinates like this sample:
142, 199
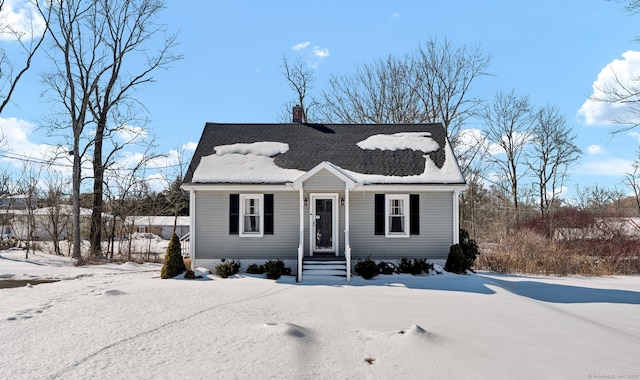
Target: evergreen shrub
228, 268
386, 267
255, 269
469, 248
275, 269
456, 262
367, 268
173, 263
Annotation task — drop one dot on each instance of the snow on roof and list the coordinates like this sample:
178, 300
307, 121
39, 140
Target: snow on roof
264, 148
245, 163
255, 163
144, 220
418, 141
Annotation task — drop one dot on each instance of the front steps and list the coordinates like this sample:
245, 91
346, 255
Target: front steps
324, 266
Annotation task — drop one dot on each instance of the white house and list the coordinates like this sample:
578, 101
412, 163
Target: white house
309, 193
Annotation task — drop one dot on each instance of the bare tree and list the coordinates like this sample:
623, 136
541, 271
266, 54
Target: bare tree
28, 187
632, 180
552, 153
57, 211
103, 54
299, 76
121, 183
12, 69
626, 95
508, 126
428, 86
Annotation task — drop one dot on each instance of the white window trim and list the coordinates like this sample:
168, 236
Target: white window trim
260, 198
405, 199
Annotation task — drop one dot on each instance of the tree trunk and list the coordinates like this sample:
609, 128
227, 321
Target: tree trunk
76, 200
95, 235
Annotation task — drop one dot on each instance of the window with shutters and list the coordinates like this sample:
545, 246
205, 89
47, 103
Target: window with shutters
251, 214
397, 215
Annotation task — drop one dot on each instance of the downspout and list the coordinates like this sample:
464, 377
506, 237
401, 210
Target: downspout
301, 236
456, 217
347, 242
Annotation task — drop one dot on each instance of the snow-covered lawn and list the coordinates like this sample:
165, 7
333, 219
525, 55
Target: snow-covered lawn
124, 322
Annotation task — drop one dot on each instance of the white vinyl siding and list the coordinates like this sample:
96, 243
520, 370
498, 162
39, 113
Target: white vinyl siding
213, 240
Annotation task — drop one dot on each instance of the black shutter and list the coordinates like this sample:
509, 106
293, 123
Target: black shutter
234, 213
379, 214
414, 214
268, 214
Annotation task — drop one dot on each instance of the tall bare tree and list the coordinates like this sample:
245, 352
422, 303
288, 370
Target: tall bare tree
552, 153
29, 41
300, 78
104, 50
430, 85
508, 126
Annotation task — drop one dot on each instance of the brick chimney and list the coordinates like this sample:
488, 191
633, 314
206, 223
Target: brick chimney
298, 114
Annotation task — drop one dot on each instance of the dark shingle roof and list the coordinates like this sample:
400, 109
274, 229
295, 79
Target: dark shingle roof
311, 144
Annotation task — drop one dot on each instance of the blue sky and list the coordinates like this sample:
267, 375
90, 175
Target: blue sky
550, 50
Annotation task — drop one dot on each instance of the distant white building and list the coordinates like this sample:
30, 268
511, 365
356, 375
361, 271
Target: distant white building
158, 225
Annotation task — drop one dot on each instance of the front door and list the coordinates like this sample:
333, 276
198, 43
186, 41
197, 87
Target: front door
324, 224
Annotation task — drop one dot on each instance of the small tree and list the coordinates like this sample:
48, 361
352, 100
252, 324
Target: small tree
173, 262
456, 261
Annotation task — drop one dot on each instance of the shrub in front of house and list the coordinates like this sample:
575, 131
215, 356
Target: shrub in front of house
367, 268
469, 248
414, 266
173, 263
275, 269
421, 265
456, 262
386, 267
228, 268
255, 269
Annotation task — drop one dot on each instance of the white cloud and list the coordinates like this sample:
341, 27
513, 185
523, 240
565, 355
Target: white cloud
593, 150
321, 53
635, 135
18, 149
190, 146
18, 20
131, 134
395, 15
301, 45
314, 55
626, 71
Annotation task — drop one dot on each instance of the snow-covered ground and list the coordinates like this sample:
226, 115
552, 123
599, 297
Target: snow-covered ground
124, 322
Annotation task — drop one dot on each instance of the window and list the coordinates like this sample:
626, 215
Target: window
397, 215
251, 214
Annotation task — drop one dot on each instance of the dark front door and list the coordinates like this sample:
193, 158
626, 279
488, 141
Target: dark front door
324, 224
